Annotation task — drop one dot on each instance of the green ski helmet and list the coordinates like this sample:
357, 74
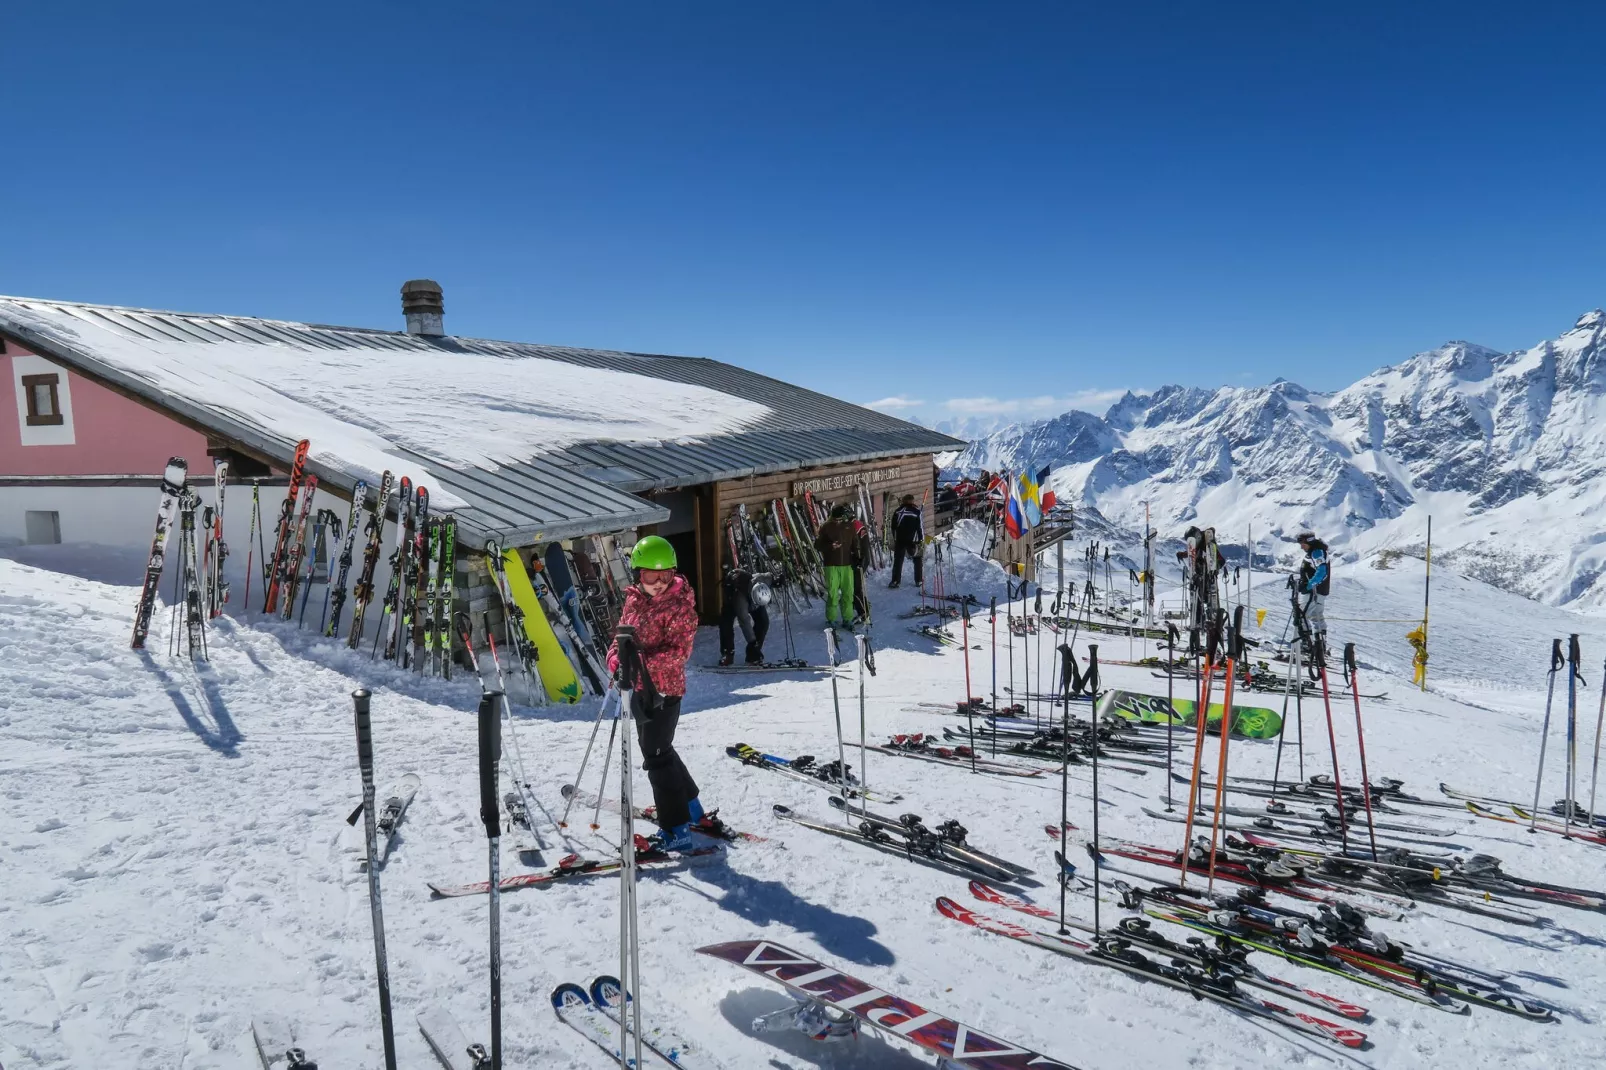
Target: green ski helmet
653, 552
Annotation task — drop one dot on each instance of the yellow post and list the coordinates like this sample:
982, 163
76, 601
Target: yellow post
1427, 588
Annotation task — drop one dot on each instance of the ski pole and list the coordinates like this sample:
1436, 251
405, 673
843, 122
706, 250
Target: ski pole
491, 815
970, 707
1282, 728
607, 757
251, 539
1353, 677
1171, 707
836, 704
632, 672
1093, 743
1201, 715
365, 762
1038, 610
1556, 662
1067, 673
992, 622
1320, 656
1234, 651
579, 777
865, 655
1574, 657
1594, 773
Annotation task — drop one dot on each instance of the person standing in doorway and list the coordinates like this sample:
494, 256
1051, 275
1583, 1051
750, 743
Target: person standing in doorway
661, 608
908, 540
746, 597
835, 542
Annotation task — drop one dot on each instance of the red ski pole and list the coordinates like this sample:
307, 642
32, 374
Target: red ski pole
1353, 679
1320, 654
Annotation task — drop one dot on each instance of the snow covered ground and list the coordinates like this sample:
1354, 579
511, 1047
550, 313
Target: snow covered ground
175, 857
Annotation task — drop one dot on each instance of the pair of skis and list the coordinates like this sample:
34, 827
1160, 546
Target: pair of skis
597, 1012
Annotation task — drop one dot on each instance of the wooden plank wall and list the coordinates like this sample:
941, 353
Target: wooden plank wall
917, 475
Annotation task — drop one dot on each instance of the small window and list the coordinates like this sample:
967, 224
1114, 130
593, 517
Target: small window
42, 527
44, 405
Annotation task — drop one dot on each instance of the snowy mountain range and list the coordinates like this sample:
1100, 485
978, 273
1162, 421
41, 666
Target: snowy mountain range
1505, 451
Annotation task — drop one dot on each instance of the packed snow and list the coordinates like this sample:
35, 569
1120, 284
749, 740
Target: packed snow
480, 410
176, 858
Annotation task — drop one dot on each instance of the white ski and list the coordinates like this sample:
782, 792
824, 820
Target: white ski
446, 1040
392, 802
606, 998
276, 1044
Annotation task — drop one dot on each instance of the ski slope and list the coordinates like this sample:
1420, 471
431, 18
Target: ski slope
176, 859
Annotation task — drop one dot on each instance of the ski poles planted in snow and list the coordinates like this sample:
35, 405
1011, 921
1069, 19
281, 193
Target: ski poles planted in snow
365, 761
491, 815
1557, 660
1319, 655
1234, 652
836, 704
1574, 678
866, 664
1207, 672
1171, 704
633, 675
1352, 678
1594, 772
1093, 734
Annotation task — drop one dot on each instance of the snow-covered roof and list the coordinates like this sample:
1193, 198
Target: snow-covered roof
520, 439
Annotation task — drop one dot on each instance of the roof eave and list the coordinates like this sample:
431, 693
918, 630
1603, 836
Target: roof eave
640, 486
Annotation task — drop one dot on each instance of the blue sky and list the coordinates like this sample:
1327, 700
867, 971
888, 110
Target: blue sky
985, 208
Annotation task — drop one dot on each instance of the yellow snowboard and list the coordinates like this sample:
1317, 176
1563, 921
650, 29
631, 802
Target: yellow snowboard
557, 671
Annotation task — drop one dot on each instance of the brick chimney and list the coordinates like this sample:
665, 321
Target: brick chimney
425, 308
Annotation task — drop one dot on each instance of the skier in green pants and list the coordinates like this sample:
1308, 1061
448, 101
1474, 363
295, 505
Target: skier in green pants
835, 543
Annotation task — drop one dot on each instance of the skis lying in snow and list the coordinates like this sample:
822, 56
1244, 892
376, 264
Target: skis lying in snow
608, 996
445, 1038
572, 867
833, 1005
594, 1013
1113, 952
1195, 952
775, 666
949, 837
924, 847
924, 748
397, 797
804, 770
1557, 809
276, 1044
1581, 833
717, 830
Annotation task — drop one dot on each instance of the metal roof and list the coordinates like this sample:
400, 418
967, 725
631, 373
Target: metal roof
584, 488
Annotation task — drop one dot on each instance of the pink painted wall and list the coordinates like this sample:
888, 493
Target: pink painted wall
112, 435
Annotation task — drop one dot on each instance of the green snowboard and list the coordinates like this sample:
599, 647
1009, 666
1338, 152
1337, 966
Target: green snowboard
1250, 722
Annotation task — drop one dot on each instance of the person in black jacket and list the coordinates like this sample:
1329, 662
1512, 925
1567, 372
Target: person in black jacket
908, 538
740, 606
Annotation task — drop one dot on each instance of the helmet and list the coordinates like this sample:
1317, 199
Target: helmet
839, 512
654, 552
1305, 536
761, 595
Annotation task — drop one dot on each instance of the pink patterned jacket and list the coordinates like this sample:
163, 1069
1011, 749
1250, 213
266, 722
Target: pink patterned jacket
665, 627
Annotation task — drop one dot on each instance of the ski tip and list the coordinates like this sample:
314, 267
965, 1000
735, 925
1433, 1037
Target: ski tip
781, 810
569, 996
606, 990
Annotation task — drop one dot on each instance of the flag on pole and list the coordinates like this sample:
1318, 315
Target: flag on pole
1047, 498
1031, 504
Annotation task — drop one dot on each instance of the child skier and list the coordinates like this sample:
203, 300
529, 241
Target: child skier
661, 609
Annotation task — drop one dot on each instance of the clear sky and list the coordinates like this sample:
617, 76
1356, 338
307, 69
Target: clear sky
983, 207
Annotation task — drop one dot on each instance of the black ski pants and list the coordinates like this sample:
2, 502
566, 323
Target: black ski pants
913, 551
754, 622
673, 789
